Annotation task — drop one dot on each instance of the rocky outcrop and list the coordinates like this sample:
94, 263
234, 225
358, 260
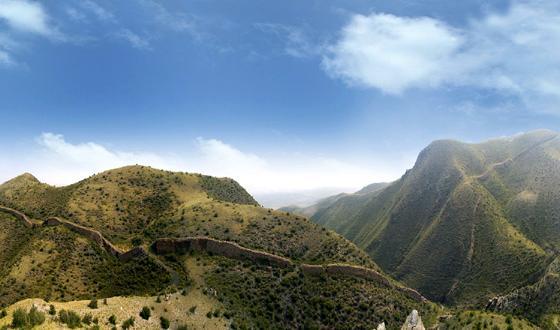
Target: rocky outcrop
381, 326
222, 248
360, 272
26, 221
413, 322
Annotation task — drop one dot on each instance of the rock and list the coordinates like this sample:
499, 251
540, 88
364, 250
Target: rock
413, 322
381, 326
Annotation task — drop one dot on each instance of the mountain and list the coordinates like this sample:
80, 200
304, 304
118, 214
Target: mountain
302, 198
325, 203
134, 234
468, 222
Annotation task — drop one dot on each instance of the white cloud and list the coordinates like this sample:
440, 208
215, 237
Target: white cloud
515, 52
176, 21
134, 39
393, 53
26, 16
295, 41
59, 162
99, 12
19, 18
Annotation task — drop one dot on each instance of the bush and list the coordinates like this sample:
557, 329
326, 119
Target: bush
93, 304
20, 319
113, 319
3, 314
164, 322
70, 318
128, 323
87, 319
36, 317
145, 313
52, 310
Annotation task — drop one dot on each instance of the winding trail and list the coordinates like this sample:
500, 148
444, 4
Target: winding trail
226, 249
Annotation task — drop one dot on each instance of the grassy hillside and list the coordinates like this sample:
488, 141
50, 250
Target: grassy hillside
136, 205
467, 222
539, 301
54, 263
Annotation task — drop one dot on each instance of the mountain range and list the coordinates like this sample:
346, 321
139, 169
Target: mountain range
468, 223
466, 238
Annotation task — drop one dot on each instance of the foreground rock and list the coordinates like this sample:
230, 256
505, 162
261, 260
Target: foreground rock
413, 322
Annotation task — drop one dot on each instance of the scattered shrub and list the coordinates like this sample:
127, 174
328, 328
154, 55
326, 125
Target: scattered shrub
70, 318
128, 323
87, 319
164, 323
113, 319
93, 304
145, 313
22, 319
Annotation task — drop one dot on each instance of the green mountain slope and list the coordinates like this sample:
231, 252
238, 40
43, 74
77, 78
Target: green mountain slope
467, 222
55, 263
135, 206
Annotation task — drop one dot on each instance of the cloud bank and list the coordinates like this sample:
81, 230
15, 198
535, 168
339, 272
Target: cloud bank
516, 52
55, 160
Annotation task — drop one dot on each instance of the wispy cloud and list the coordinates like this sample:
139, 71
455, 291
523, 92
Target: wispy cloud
23, 19
58, 161
176, 21
98, 11
516, 52
134, 39
294, 39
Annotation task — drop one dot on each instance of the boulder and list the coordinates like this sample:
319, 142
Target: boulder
413, 322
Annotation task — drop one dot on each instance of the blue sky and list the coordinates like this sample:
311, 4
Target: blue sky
283, 96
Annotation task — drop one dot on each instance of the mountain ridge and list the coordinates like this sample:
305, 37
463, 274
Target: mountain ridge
469, 211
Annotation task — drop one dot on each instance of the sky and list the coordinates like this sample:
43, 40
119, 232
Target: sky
283, 96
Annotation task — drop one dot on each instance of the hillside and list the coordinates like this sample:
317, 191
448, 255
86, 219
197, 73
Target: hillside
467, 222
80, 254
324, 204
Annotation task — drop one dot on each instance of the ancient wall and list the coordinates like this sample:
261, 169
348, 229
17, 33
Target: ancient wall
18, 215
360, 272
92, 234
222, 248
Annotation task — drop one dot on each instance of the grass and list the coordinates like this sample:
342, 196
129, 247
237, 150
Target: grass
260, 297
477, 320
57, 264
124, 308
